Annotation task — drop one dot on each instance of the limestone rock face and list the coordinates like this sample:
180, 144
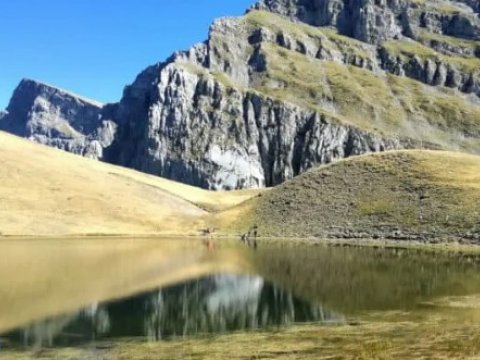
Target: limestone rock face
183, 120
375, 21
58, 118
431, 71
371, 21
202, 133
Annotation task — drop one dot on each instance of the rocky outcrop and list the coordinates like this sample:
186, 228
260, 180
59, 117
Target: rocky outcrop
464, 49
198, 131
58, 118
432, 71
375, 21
459, 22
321, 47
369, 21
431, 58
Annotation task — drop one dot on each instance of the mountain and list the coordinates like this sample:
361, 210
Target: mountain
290, 85
58, 118
427, 196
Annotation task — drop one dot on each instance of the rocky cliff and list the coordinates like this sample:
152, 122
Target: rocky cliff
376, 21
199, 130
435, 42
58, 118
297, 83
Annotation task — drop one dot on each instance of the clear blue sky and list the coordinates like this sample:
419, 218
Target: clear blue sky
96, 47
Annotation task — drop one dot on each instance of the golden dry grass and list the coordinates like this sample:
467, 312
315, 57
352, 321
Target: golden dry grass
408, 193
49, 192
44, 191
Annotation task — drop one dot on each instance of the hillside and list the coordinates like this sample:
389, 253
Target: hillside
45, 191
290, 85
383, 103
423, 195
404, 195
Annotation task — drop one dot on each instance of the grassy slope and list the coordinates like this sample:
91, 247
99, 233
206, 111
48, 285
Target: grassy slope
386, 104
431, 39
393, 106
397, 193
49, 192
45, 191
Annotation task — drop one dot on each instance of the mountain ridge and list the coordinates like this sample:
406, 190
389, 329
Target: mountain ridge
378, 21
59, 118
62, 90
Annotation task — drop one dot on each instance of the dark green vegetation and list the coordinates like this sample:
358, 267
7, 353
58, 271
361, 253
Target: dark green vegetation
354, 281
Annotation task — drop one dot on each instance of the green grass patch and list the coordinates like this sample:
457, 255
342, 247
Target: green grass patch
407, 49
328, 38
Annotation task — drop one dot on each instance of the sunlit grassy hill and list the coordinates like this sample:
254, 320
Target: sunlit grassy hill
44, 191
421, 195
402, 195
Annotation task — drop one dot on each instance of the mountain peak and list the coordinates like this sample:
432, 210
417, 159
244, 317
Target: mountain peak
40, 87
57, 117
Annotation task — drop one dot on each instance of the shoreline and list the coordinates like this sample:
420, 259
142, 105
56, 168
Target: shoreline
447, 245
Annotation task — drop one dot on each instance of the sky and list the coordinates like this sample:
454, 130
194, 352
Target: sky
96, 47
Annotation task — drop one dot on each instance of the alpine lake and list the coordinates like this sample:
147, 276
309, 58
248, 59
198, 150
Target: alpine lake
146, 298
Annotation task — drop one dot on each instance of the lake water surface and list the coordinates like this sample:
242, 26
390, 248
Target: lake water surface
87, 293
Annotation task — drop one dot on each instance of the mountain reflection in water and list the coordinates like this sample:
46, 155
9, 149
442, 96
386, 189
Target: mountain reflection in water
180, 288
216, 304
